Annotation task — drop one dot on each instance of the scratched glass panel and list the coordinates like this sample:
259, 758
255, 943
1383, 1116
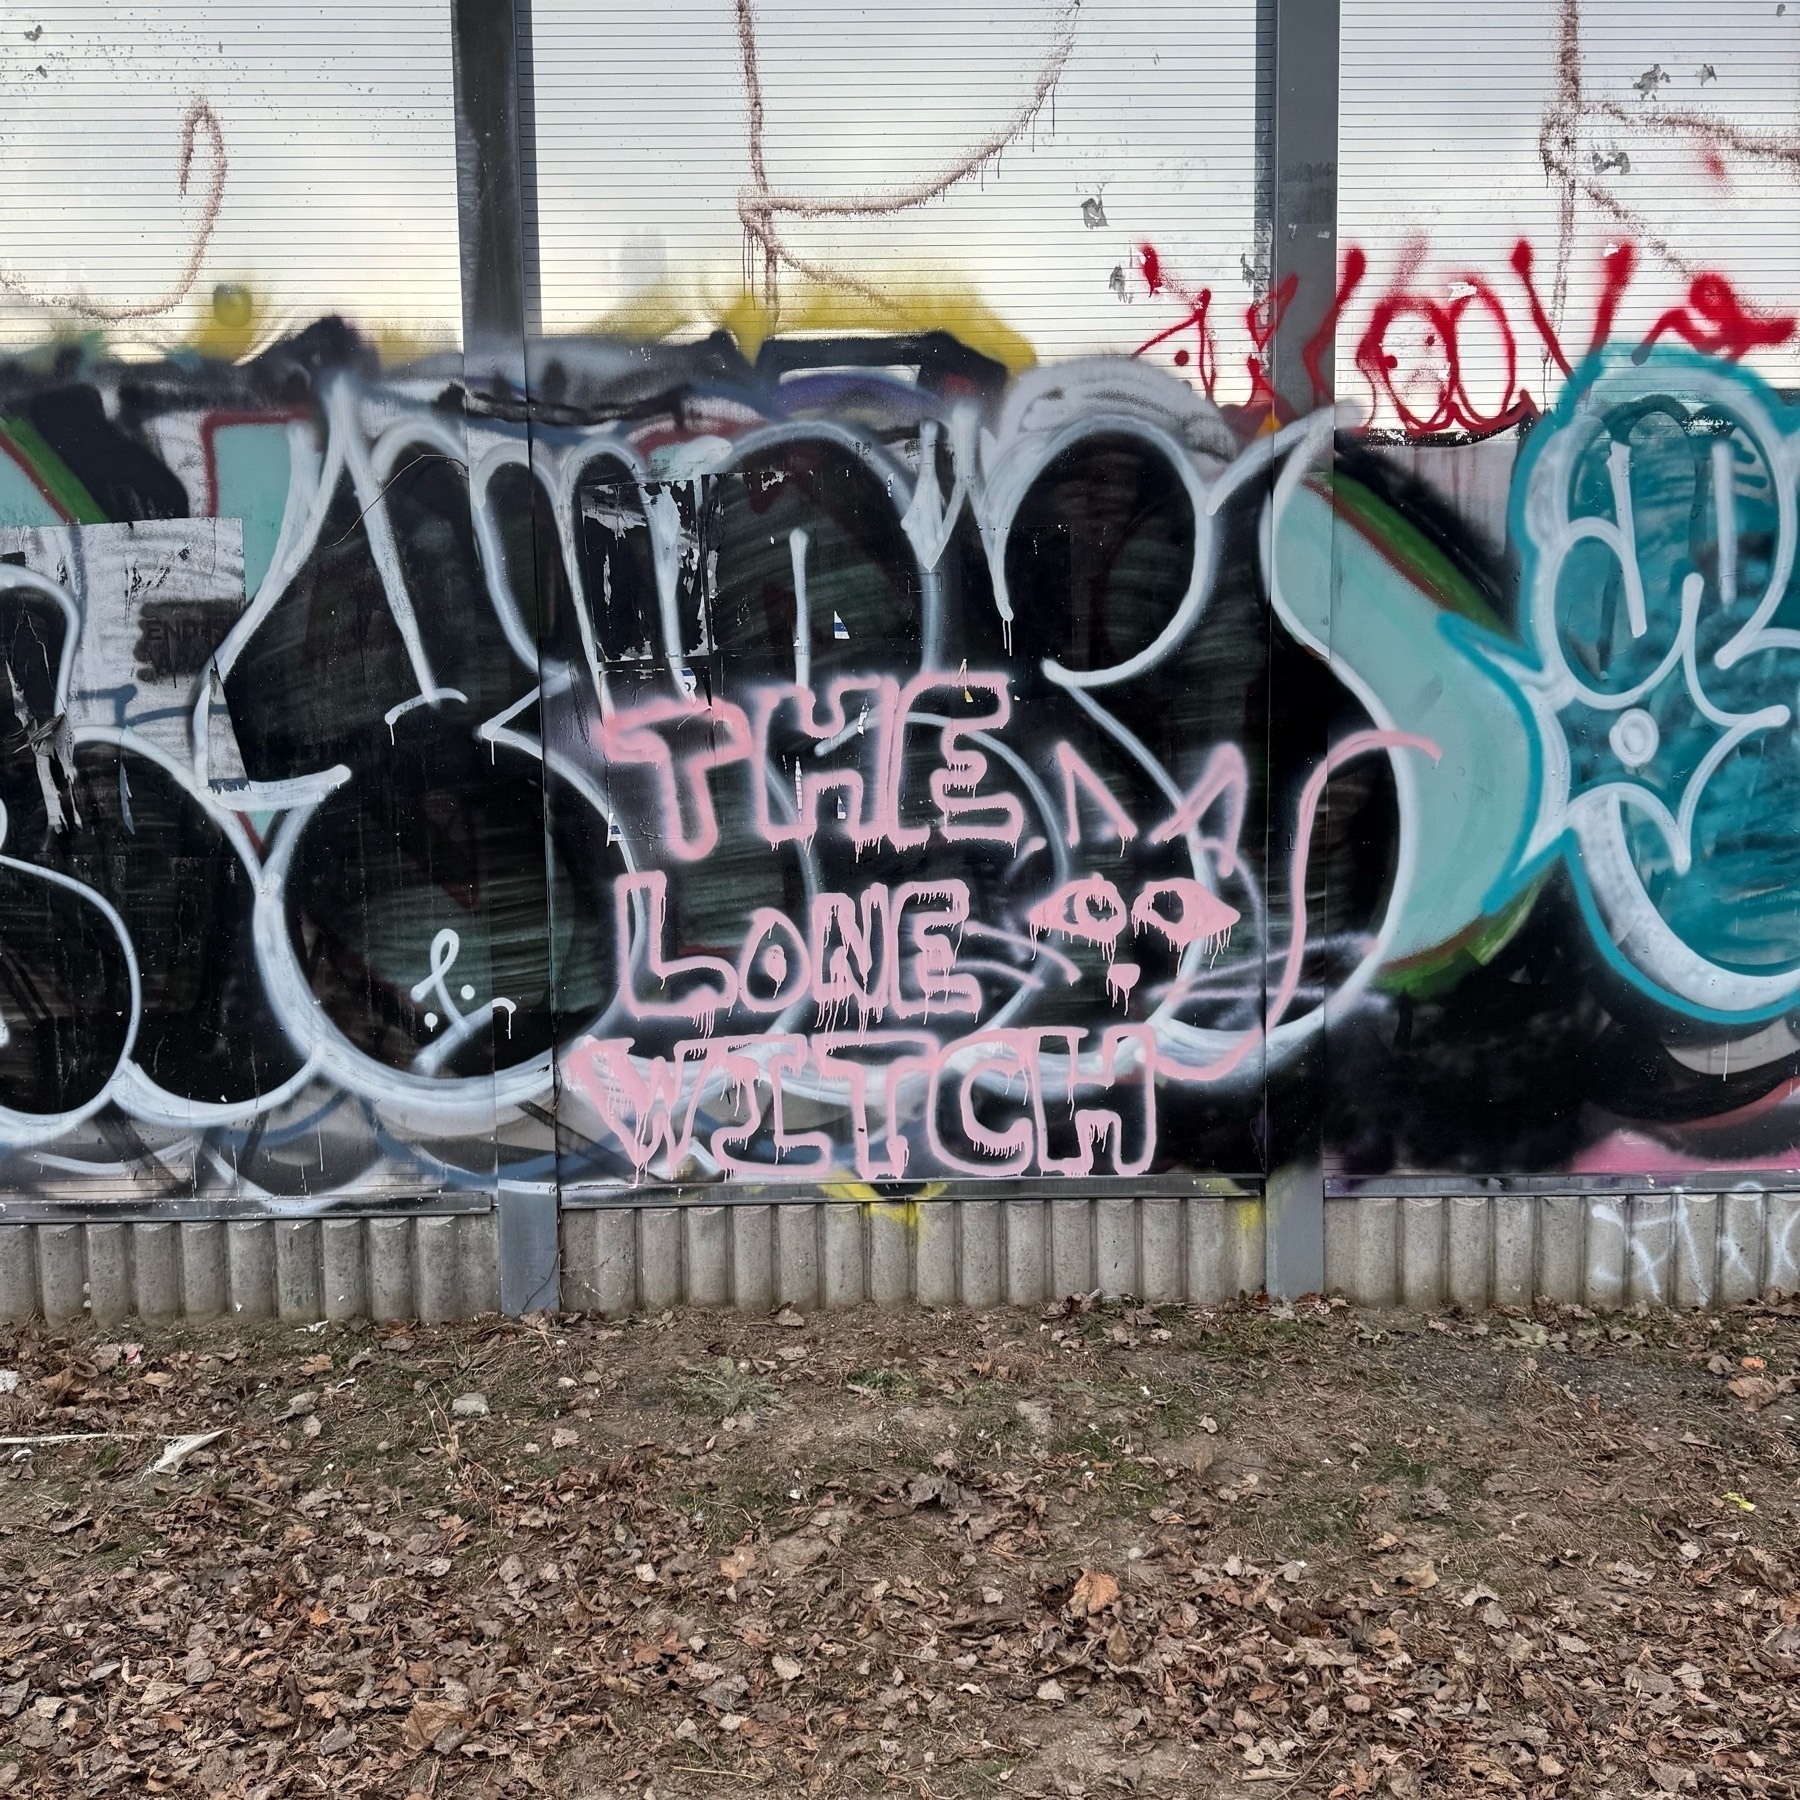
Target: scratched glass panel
905, 730
1586, 620
897, 642
297, 900
266, 889
906, 706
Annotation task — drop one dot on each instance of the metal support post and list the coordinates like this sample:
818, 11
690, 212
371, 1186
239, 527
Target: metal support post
496, 186
1297, 119
496, 182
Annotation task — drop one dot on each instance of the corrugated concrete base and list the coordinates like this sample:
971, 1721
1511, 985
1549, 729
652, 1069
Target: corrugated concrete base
973, 1253
298, 1270
1605, 1251
1602, 1251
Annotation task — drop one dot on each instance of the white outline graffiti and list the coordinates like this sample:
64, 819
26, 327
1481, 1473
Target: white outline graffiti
1558, 695
798, 1056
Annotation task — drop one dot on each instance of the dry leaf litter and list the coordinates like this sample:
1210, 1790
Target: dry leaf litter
1100, 1550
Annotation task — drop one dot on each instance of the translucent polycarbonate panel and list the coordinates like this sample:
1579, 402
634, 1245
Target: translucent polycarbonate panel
997, 170
151, 153
1632, 149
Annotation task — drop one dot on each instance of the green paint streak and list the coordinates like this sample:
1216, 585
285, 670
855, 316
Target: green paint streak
1437, 972
22, 501
1412, 553
56, 475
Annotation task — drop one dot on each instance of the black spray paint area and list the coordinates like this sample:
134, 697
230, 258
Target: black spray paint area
854, 768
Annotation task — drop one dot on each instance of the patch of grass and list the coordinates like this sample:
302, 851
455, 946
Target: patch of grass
1245, 1338
990, 1407
1178, 1412
724, 1389
1394, 1463
727, 1506
1303, 1521
989, 1773
1128, 1490
129, 1545
1088, 1442
892, 1384
1104, 1467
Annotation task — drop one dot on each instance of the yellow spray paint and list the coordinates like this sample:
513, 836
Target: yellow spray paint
233, 321
813, 307
904, 1213
238, 319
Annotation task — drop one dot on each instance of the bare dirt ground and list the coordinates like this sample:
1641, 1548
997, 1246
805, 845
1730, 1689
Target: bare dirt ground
1095, 1551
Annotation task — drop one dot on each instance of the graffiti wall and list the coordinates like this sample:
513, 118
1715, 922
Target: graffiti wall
862, 764
820, 733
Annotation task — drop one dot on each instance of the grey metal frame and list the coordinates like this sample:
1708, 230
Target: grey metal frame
1297, 125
